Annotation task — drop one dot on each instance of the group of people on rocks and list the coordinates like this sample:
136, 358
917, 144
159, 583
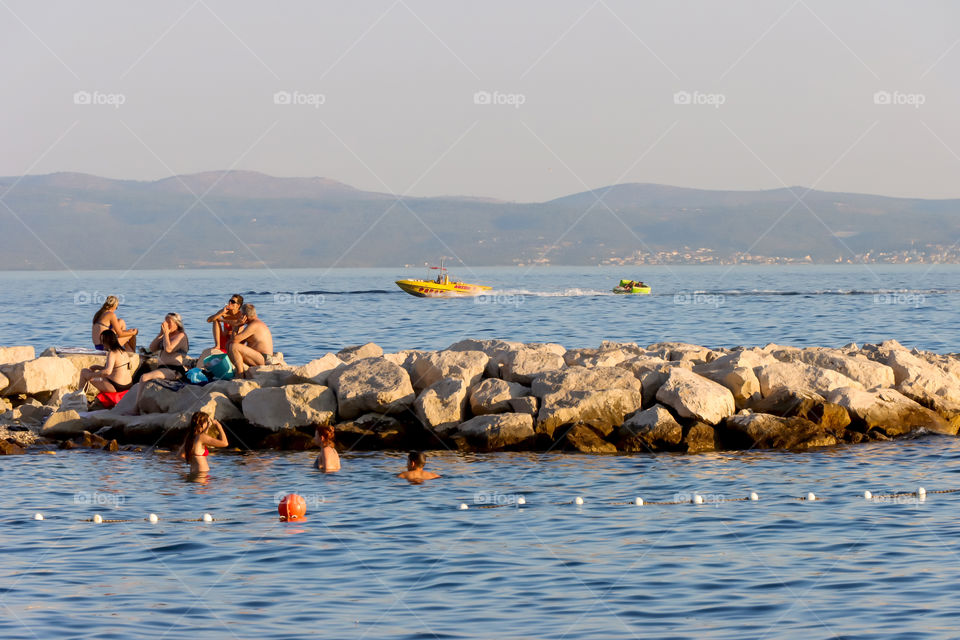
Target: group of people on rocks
238, 333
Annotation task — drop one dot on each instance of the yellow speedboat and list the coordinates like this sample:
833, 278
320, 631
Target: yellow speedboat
443, 286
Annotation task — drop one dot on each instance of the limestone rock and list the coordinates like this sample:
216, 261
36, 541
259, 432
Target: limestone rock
8, 448
741, 381
159, 397
693, 396
495, 349
236, 389
63, 399
890, 411
526, 404
582, 438
63, 424
13, 355
600, 397
290, 406
868, 373
317, 371
371, 385
762, 430
372, 431
523, 364
431, 367
37, 376
215, 404
499, 431
800, 403
700, 438
272, 375
4, 382
288, 440
801, 376
682, 351
441, 406
358, 352
494, 395
653, 429
603, 357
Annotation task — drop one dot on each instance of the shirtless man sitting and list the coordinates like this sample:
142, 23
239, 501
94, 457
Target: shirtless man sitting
251, 342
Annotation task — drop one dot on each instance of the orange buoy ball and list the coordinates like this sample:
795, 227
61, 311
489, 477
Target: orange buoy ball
292, 507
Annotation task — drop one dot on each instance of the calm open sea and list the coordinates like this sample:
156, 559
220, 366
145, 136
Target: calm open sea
379, 558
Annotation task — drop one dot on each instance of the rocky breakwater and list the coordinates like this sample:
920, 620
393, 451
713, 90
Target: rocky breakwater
487, 395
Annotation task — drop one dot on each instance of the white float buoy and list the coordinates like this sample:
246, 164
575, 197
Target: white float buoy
463, 506
698, 499
921, 492
754, 496
638, 501
207, 517
578, 500
97, 518
152, 517
867, 495
811, 497
521, 500
38, 516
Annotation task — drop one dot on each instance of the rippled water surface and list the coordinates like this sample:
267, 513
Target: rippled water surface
377, 557
380, 558
312, 311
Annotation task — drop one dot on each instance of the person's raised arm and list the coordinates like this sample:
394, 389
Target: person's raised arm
157, 343
220, 441
219, 314
247, 331
170, 344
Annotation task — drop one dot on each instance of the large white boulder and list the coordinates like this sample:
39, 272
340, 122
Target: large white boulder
13, 355
890, 411
741, 381
600, 397
39, 375
317, 371
371, 385
441, 406
524, 364
497, 431
294, 405
359, 352
868, 373
494, 395
272, 375
653, 429
236, 389
64, 424
693, 396
431, 367
801, 376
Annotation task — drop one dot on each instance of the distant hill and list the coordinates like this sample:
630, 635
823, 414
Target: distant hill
248, 219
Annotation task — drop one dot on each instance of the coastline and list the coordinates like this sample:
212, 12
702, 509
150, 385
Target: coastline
491, 395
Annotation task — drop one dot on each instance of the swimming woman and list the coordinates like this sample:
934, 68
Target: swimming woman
328, 461
194, 449
173, 344
106, 318
117, 373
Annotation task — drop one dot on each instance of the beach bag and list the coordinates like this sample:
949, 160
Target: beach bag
196, 376
218, 366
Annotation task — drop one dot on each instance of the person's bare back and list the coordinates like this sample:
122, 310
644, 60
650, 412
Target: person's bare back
256, 335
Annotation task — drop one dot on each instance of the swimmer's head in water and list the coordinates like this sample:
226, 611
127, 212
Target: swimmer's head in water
416, 460
109, 341
325, 432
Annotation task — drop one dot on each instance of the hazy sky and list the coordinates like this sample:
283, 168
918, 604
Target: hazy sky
580, 94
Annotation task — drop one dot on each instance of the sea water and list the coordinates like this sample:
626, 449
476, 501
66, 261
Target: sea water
377, 557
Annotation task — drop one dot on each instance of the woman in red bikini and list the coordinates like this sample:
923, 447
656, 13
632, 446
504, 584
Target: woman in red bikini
225, 322
194, 449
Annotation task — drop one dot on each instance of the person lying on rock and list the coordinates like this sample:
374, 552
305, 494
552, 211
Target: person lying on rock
415, 474
252, 343
225, 322
328, 461
194, 449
